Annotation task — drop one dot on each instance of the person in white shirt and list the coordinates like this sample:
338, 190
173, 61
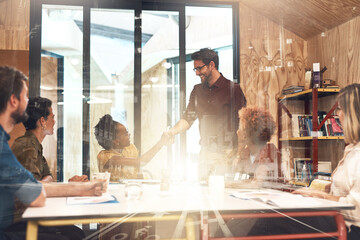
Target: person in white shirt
345, 185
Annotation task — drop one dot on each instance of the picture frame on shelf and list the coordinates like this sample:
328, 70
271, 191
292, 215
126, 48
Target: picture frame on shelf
300, 173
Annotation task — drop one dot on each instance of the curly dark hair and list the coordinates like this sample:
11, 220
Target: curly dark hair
259, 125
105, 131
11, 82
37, 107
206, 55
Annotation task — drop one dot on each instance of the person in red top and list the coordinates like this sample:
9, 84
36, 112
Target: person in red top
215, 102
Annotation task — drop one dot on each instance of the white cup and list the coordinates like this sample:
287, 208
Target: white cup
133, 190
216, 184
103, 176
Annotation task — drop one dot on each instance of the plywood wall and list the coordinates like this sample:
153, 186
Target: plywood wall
20, 61
14, 43
14, 24
271, 58
338, 49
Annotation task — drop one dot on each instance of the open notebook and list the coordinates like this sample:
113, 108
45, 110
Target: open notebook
105, 198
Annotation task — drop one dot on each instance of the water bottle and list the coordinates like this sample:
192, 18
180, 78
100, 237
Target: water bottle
304, 176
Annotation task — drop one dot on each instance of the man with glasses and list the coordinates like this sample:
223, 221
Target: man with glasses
215, 102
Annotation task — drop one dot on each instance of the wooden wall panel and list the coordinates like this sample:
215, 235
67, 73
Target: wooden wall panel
306, 18
339, 51
20, 61
16, 59
271, 58
14, 24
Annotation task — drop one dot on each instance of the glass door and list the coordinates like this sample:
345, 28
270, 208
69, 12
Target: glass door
160, 89
112, 72
114, 58
62, 83
87, 70
220, 39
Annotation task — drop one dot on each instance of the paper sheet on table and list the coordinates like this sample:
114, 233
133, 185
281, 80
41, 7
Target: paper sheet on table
283, 200
105, 198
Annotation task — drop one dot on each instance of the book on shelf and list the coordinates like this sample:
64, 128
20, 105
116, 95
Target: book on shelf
305, 125
336, 126
302, 125
321, 116
295, 125
292, 89
303, 169
308, 122
333, 126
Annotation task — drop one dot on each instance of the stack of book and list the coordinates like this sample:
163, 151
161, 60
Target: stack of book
332, 87
302, 125
332, 126
292, 89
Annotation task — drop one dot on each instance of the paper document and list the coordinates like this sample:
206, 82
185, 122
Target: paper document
149, 181
105, 198
281, 199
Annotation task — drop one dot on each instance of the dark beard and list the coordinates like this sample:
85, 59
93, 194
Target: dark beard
19, 117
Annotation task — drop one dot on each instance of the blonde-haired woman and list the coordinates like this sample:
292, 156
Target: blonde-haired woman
345, 185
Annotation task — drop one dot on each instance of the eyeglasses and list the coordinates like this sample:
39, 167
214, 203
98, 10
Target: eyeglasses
199, 68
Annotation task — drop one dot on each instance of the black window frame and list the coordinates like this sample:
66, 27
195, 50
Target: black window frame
136, 5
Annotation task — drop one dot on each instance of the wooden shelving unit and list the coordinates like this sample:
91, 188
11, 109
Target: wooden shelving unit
307, 96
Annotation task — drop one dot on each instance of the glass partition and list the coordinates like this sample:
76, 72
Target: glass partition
62, 82
160, 86
112, 72
220, 38
109, 84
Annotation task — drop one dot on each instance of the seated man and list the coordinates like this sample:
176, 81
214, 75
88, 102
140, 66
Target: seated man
18, 184
119, 157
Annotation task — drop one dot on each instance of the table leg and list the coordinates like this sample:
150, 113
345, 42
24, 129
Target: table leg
204, 226
190, 229
339, 219
32, 230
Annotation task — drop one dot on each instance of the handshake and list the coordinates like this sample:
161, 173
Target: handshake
167, 138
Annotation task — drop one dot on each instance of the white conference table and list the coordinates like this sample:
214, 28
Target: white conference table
181, 202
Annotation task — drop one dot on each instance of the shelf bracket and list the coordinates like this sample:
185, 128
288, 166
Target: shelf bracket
327, 116
285, 109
